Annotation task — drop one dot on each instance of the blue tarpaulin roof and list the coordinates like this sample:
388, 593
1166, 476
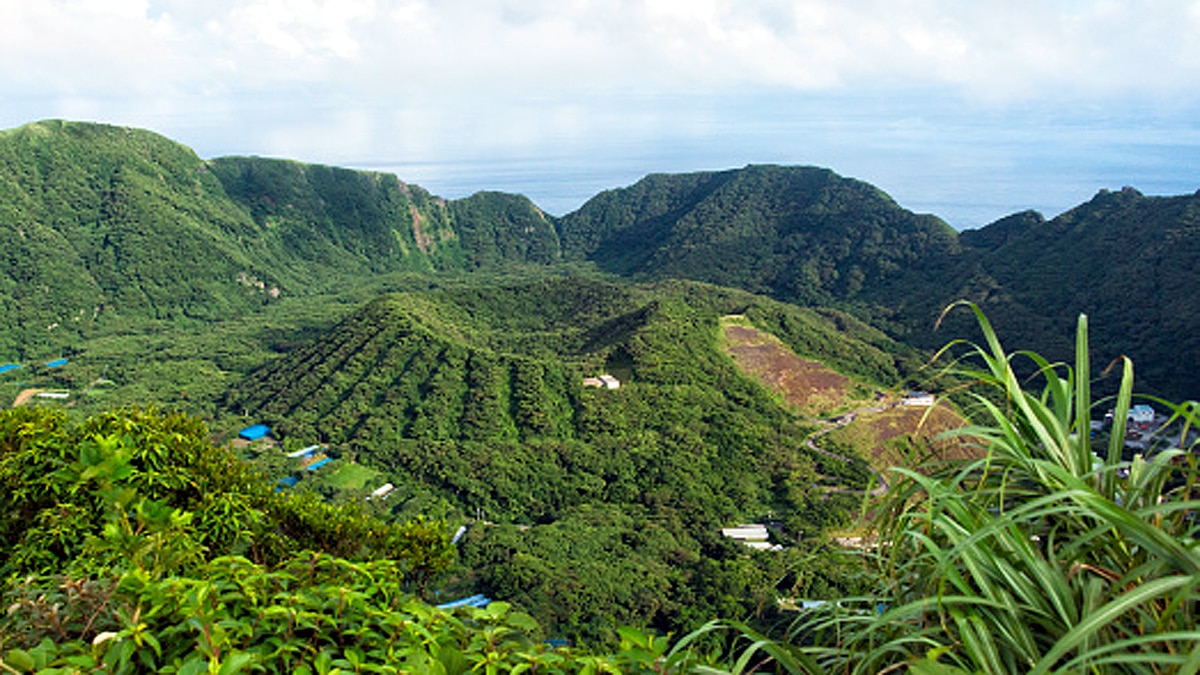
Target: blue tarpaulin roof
253, 433
56, 363
9, 366
316, 465
480, 600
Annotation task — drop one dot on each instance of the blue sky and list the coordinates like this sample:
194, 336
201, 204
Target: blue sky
970, 110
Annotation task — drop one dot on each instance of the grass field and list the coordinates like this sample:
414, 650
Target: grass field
348, 476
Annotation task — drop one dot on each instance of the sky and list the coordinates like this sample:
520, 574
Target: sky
970, 110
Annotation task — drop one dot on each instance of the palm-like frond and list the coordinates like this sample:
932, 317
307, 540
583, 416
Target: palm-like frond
1039, 557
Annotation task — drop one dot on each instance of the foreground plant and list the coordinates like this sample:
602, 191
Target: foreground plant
1041, 556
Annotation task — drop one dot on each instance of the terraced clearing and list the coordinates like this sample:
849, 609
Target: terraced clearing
885, 433
811, 387
893, 436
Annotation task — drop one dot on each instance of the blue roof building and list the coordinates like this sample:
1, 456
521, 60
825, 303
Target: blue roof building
316, 465
253, 433
9, 366
56, 363
479, 600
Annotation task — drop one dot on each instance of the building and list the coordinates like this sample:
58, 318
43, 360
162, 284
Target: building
1141, 415
382, 492
754, 535
918, 398
305, 452
255, 432
602, 382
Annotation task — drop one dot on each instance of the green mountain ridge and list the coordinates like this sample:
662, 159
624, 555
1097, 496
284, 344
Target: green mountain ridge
104, 226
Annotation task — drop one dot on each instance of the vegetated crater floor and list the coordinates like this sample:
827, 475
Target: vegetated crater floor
811, 386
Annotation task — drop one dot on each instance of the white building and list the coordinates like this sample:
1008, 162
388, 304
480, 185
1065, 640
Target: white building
602, 382
918, 398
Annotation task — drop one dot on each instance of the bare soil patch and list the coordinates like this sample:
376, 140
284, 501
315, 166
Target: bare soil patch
24, 396
810, 386
907, 436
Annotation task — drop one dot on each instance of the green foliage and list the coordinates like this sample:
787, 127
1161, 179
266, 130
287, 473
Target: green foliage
1124, 259
136, 488
105, 227
471, 399
797, 233
1043, 556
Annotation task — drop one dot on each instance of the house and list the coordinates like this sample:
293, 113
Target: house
918, 398
56, 363
255, 432
602, 382
1141, 415
54, 394
9, 366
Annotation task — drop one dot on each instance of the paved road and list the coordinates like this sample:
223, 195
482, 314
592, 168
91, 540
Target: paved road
838, 423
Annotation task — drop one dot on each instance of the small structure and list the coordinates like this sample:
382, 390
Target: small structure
753, 535
59, 395
1141, 415
255, 432
304, 452
918, 398
56, 363
382, 491
286, 482
479, 600
605, 381
316, 465
9, 366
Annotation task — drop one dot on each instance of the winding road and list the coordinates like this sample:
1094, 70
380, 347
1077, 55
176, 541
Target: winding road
811, 442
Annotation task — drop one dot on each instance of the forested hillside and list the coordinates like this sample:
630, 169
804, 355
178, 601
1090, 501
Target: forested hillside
809, 236
1128, 261
105, 227
102, 227
802, 234
425, 364
473, 398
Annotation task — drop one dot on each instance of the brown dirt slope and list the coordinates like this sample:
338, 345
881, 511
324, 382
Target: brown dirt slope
812, 387
24, 396
905, 436
885, 433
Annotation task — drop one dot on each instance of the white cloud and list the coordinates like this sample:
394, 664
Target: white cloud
339, 80
994, 48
